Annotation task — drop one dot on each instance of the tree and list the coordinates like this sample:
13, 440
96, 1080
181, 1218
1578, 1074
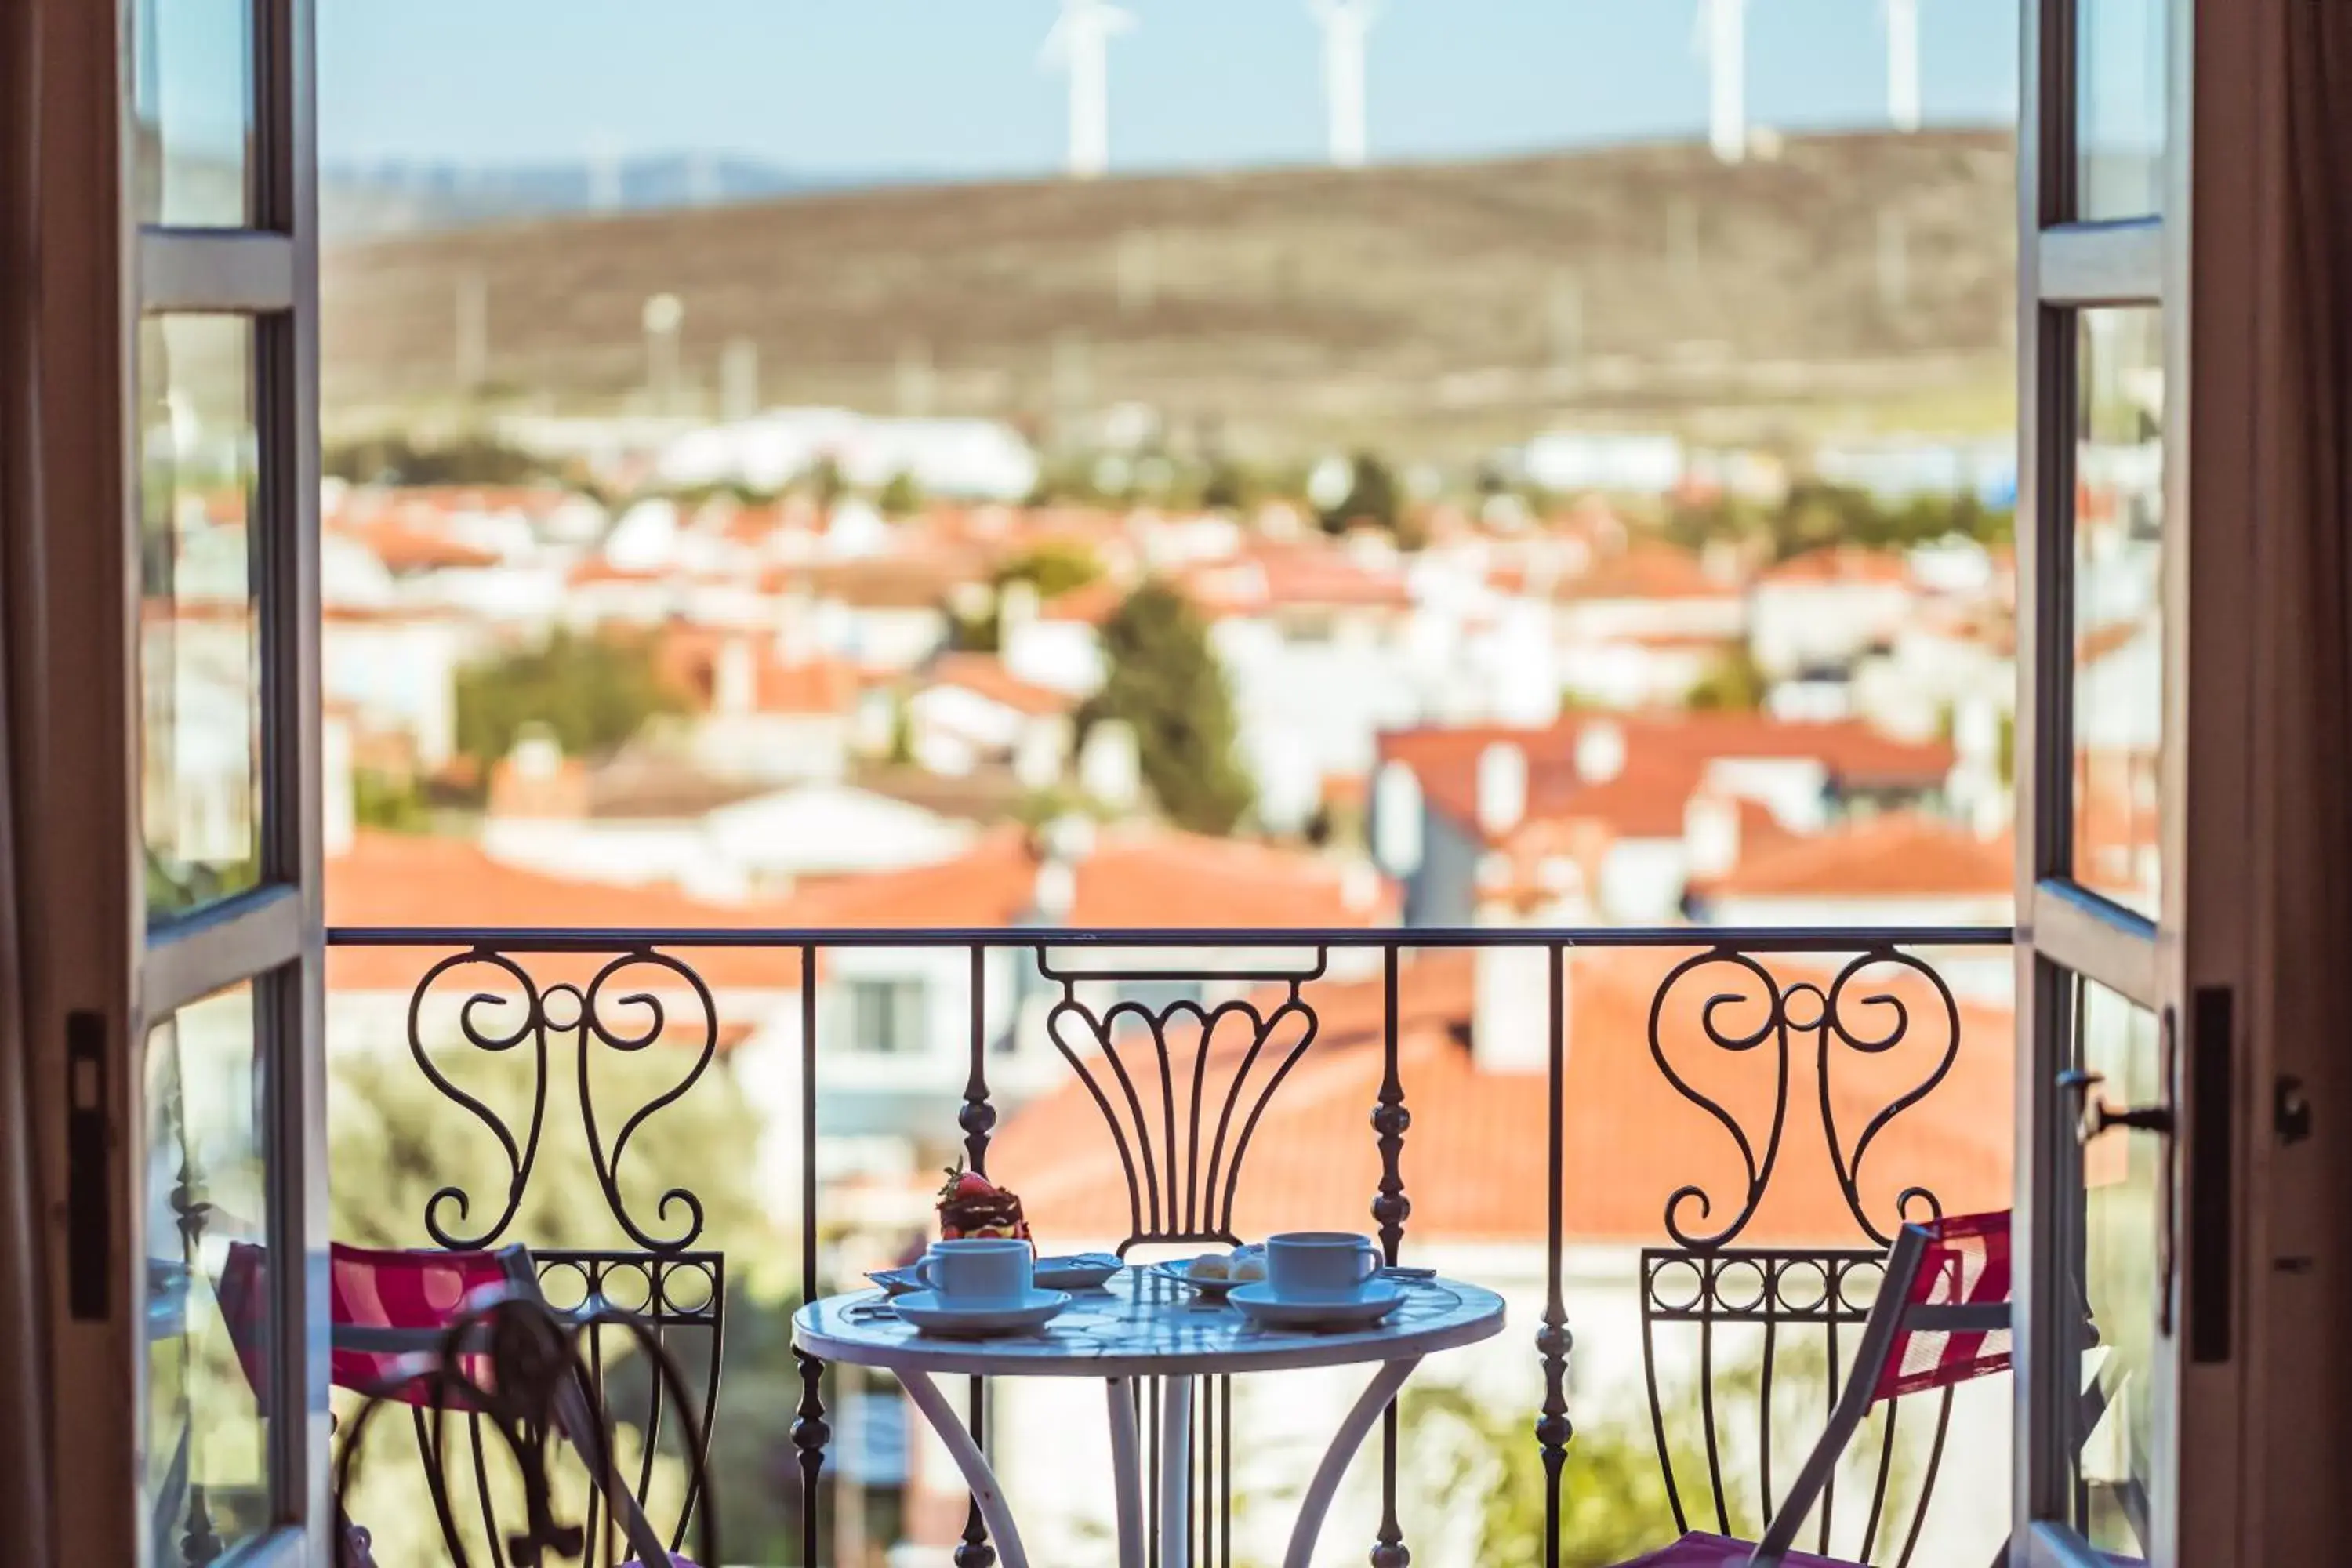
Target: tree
902, 497
1053, 568
1373, 495
1165, 683
473, 459
1735, 685
592, 693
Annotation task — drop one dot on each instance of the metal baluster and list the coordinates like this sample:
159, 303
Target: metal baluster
1390, 1210
1553, 1340
810, 1433
978, 1120
198, 1543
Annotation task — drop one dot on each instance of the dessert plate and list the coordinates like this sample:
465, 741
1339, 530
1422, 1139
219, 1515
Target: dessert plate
931, 1315
1260, 1305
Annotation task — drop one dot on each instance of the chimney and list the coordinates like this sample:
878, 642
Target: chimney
1016, 610
1711, 835
1502, 788
1061, 844
1512, 1009
734, 681
1600, 752
338, 807
1397, 819
1110, 773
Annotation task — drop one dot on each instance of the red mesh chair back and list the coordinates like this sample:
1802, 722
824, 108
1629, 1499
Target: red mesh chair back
1966, 1264
388, 1308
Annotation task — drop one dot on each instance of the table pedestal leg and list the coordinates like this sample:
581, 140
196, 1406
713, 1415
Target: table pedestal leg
1350, 1437
1176, 1475
1127, 1472
946, 1421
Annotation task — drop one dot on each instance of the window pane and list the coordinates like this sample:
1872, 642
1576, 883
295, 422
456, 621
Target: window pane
2119, 606
2120, 108
2122, 1176
210, 1331
200, 658
194, 100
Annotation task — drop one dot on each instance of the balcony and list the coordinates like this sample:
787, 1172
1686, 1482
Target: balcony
1677, 1153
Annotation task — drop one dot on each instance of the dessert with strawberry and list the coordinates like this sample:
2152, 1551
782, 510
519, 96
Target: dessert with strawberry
972, 1205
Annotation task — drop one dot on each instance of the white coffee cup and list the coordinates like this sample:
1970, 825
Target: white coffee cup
981, 1271
1319, 1264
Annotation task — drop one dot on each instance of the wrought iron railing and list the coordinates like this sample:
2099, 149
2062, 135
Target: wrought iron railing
1183, 1150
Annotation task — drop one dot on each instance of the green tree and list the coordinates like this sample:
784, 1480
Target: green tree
390, 800
472, 460
592, 693
1165, 683
1735, 685
1373, 495
1053, 568
902, 497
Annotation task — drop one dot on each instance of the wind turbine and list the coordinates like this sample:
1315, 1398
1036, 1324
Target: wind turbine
1719, 33
1344, 24
1903, 64
1080, 44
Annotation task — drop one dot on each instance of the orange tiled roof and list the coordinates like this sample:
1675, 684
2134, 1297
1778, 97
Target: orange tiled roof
1841, 564
1137, 877
1474, 1158
985, 675
1648, 569
1667, 759
395, 880
1897, 854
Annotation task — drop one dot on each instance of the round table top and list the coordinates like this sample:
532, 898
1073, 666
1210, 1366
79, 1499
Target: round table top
1138, 1325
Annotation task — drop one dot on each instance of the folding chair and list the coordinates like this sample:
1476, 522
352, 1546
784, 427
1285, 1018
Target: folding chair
1941, 1318
394, 1314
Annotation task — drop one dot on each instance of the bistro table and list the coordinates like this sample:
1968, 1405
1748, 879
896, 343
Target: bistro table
1137, 1326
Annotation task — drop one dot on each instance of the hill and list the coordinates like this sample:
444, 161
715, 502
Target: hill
1852, 278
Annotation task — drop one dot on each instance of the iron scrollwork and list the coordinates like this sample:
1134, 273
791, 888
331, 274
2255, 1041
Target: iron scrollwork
514, 1012
1835, 1017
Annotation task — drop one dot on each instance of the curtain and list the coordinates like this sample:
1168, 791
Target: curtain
2303, 766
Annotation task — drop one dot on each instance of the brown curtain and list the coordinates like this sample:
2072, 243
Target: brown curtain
2302, 770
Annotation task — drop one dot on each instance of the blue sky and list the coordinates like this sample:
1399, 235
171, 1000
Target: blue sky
954, 86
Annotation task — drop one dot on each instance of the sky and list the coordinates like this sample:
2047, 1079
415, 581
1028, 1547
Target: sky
955, 88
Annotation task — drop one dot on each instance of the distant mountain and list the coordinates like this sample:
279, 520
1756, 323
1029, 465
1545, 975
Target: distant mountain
362, 201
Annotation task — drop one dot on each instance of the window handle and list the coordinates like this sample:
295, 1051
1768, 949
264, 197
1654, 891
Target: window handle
2097, 1116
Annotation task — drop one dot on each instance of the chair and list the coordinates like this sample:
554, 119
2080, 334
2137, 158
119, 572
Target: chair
423, 1329
1941, 1318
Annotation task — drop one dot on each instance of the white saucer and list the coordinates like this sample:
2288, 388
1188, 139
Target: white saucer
1258, 1304
1178, 1271
925, 1311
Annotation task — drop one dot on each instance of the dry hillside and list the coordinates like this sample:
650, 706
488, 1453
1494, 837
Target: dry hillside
1850, 276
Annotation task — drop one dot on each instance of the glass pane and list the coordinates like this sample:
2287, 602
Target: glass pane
2123, 1272
200, 656
209, 1326
193, 101
2120, 108
2119, 606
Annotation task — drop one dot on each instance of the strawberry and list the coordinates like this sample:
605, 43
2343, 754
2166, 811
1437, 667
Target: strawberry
963, 1183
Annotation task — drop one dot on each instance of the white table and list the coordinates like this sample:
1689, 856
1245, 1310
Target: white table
1143, 1326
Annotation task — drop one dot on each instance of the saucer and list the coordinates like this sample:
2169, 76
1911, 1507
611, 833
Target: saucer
1261, 1305
929, 1315
1209, 1289
1082, 1271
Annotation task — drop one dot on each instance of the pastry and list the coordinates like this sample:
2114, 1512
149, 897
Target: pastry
970, 1206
